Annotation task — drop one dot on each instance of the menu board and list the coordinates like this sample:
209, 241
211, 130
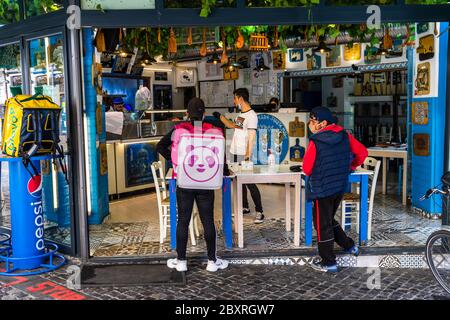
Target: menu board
217, 94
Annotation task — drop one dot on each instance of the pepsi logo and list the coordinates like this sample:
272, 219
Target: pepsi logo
34, 186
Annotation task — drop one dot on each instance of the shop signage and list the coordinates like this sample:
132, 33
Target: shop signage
271, 135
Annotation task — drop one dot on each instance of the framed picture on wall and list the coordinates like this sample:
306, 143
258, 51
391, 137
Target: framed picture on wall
422, 83
352, 53
421, 143
314, 61
397, 49
279, 60
186, 78
426, 47
107, 60
420, 112
422, 27
333, 58
296, 55
138, 160
121, 64
371, 55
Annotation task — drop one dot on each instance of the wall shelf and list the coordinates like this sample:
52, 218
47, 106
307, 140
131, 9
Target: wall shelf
166, 111
372, 99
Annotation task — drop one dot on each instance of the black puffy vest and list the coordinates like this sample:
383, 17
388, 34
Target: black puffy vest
332, 165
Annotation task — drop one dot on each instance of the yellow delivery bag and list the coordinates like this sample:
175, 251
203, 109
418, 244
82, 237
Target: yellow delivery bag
31, 126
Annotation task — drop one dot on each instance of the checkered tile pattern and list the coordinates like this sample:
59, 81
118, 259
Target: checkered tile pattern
393, 226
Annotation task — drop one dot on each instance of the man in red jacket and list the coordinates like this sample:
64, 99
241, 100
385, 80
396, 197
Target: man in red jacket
331, 155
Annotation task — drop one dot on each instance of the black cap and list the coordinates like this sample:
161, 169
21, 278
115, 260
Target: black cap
322, 113
196, 109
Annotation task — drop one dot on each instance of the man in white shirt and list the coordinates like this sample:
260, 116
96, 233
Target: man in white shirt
244, 138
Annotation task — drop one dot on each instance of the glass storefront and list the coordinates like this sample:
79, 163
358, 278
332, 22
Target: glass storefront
10, 85
47, 77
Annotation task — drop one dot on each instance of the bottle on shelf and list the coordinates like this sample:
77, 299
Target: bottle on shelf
271, 159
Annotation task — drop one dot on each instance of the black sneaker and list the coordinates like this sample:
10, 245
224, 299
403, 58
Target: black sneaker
319, 266
246, 211
259, 218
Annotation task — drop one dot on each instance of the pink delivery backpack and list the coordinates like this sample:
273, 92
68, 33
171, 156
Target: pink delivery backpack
200, 154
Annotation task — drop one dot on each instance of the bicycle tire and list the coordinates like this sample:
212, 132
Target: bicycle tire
435, 236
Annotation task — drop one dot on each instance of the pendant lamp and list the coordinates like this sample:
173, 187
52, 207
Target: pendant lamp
322, 48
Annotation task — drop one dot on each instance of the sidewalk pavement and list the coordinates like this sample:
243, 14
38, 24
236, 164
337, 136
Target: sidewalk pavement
249, 282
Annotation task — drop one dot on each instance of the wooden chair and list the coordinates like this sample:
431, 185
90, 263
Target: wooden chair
164, 206
350, 202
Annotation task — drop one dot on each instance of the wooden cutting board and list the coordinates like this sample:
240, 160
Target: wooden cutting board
297, 128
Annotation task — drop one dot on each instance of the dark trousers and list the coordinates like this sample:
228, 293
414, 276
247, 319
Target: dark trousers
256, 196
205, 204
254, 192
328, 229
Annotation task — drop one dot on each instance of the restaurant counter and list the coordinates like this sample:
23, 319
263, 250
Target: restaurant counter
129, 164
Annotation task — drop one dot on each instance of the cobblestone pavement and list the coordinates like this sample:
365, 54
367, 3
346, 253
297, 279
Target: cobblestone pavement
250, 282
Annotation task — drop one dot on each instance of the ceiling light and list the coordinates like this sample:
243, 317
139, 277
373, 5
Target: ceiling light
123, 51
147, 60
382, 51
214, 58
322, 48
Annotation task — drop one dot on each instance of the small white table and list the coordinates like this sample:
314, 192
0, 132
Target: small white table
266, 174
389, 152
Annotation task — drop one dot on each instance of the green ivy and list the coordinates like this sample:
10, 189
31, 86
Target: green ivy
9, 11
280, 3
10, 56
136, 38
38, 7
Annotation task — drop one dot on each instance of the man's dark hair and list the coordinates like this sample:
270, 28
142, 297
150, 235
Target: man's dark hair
274, 99
242, 93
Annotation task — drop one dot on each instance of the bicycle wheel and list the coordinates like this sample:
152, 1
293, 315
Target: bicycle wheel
438, 257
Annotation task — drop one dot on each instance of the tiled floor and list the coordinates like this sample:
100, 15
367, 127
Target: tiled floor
393, 226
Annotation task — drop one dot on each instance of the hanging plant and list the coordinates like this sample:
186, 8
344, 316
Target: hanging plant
136, 38
10, 57
207, 6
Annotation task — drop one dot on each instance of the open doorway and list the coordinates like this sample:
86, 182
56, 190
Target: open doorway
125, 221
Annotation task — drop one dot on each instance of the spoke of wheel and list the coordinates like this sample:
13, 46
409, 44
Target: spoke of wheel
438, 257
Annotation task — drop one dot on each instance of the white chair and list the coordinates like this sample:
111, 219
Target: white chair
164, 206
350, 202
386, 133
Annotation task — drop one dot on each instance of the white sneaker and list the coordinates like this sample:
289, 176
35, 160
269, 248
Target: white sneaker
214, 266
180, 265
259, 218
